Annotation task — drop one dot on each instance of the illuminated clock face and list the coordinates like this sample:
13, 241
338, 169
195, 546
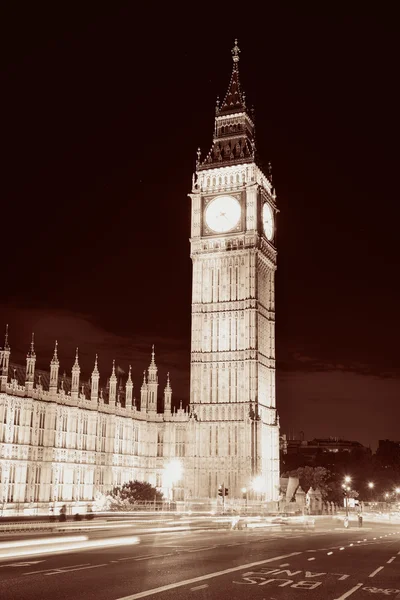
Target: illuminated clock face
268, 221
223, 214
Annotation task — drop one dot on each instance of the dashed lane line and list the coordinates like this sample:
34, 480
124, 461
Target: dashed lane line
349, 592
375, 572
199, 587
153, 556
47, 570
60, 571
172, 586
391, 560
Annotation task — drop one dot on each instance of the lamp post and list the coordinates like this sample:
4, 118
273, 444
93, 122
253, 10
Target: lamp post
172, 474
371, 486
258, 486
346, 489
244, 492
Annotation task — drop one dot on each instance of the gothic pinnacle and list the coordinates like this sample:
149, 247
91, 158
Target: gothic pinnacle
55, 357
31, 353
6, 346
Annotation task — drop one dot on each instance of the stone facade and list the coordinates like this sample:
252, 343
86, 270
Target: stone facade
64, 442
233, 310
61, 441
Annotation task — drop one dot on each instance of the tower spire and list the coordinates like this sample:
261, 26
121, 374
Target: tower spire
234, 134
234, 97
6, 346
55, 360
31, 352
75, 378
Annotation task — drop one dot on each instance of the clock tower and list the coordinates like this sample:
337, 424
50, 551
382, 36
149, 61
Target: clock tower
232, 388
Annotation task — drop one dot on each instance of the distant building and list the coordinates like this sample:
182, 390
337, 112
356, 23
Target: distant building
310, 449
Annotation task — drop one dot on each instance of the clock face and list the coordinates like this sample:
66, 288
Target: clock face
223, 214
268, 221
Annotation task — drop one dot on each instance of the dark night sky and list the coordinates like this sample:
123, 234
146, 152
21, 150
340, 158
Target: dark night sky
103, 110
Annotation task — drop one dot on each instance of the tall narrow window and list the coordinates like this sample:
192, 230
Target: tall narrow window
11, 484
84, 432
160, 442
36, 490
216, 441
236, 440
121, 438
103, 435
17, 418
64, 427
42, 417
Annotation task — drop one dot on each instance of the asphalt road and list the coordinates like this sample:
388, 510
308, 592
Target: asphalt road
329, 563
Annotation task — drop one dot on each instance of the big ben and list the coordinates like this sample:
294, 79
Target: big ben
233, 251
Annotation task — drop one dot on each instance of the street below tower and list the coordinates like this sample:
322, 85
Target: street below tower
271, 562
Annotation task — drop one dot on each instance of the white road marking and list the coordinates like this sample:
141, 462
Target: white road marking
284, 565
199, 587
342, 548
238, 544
201, 549
171, 586
47, 570
152, 556
375, 572
329, 553
21, 564
313, 558
391, 560
60, 571
349, 592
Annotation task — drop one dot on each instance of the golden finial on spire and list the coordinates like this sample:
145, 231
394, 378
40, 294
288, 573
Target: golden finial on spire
235, 52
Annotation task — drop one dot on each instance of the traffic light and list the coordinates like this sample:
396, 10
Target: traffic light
222, 491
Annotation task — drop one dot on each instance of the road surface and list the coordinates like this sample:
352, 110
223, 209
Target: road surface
274, 563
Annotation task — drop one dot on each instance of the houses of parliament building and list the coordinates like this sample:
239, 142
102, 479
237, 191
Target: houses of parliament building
63, 441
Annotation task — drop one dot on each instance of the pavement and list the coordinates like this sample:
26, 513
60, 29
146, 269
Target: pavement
328, 563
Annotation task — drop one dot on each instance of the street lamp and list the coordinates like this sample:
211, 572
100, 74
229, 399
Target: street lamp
371, 486
347, 489
172, 474
244, 492
258, 486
